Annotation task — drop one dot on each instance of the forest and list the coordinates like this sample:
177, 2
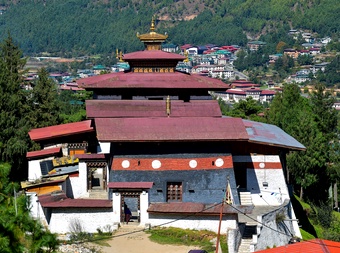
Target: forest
83, 27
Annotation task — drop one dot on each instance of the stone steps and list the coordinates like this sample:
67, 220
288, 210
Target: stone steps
245, 246
98, 194
245, 198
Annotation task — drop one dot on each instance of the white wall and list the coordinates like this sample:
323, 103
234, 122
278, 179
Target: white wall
267, 169
194, 222
34, 171
116, 205
273, 194
79, 184
90, 219
144, 204
104, 148
35, 208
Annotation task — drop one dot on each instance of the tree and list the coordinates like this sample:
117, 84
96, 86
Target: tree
44, 102
14, 120
18, 231
246, 109
296, 115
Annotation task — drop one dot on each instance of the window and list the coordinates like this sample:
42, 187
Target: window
174, 191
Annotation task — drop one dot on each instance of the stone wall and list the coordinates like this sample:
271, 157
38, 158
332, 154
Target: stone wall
275, 228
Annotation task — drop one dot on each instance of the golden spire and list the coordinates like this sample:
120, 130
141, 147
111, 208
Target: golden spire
152, 28
152, 40
168, 106
186, 54
119, 55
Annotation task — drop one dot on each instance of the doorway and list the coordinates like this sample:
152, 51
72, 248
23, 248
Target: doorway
132, 201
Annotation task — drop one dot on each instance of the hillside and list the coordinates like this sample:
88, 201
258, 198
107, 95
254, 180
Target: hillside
79, 27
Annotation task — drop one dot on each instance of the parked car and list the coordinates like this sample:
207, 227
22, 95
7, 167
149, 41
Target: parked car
197, 251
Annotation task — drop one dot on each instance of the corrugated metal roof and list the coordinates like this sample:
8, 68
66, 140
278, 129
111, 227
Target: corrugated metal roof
170, 129
44, 133
195, 208
310, 246
152, 55
44, 181
130, 185
60, 200
176, 80
149, 108
271, 135
43, 153
64, 170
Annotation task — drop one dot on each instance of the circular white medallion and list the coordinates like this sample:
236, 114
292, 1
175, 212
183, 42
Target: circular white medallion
156, 164
193, 164
125, 164
219, 162
262, 165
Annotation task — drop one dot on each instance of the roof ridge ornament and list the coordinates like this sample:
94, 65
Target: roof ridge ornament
152, 28
152, 40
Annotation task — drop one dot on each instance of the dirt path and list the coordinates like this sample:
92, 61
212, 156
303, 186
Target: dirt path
132, 239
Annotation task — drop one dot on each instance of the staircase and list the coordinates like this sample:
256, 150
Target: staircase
247, 239
245, 198
98, 194
245, 246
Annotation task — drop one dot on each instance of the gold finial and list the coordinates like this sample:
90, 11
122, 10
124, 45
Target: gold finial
119, 55
186, 54
168, 106
152, 28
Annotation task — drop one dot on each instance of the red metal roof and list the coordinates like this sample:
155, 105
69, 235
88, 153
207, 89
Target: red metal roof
149, 108
175, 80
170, 129
60, 200
311, 246
234, 91
268, 92
43, 153
268, 134
152, 55
44, 133
130, 185
89, 156
195, 208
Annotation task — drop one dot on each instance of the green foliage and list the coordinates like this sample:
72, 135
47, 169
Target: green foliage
44, 101
249, 60
324, 215
313, 123
247, 109
330, 77
14, 120
81, 27
305, 235
18, 231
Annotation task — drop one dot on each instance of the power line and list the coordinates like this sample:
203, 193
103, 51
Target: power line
212, 206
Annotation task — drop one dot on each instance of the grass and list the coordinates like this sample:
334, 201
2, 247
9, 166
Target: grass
196, 238
302, 211
306, 235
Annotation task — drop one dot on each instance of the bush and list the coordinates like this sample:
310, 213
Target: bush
324, 215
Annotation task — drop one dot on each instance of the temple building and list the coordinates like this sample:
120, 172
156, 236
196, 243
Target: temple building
155, 141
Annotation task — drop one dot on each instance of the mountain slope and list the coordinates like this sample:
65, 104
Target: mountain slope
89, 27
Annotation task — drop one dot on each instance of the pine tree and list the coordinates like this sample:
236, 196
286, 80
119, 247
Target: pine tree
44, 101
14, 123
